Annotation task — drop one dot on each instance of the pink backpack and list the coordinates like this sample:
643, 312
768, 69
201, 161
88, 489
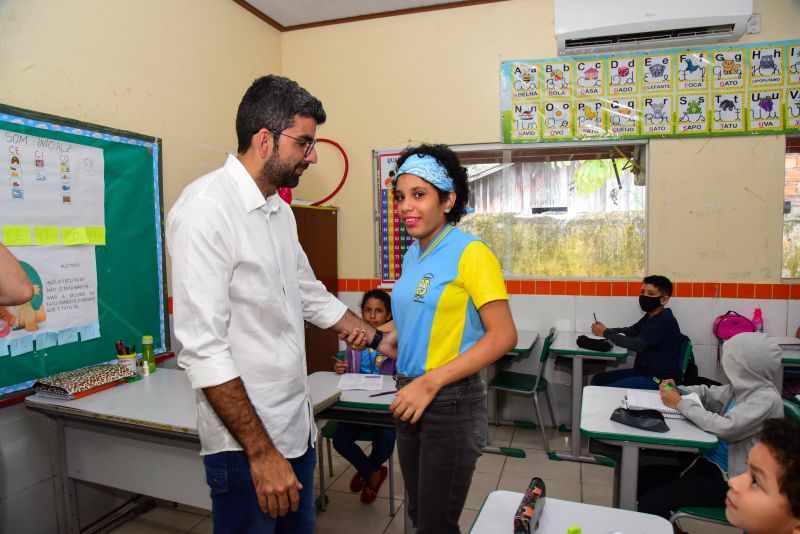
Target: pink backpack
731, 323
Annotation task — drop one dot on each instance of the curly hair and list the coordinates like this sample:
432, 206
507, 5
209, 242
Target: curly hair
449, 160
782, 438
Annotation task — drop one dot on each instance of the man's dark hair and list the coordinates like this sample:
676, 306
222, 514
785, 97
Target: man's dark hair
782, 438
662, 283
449, 160
379, 294
272, 102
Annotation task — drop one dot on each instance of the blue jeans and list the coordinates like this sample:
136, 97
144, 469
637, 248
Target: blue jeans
344, 441
235, 504
624, 378
439, 452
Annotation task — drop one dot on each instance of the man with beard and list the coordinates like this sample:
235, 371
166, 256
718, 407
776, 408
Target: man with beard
242, 287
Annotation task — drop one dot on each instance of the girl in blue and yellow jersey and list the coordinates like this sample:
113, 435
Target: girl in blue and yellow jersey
376, 309
452, 319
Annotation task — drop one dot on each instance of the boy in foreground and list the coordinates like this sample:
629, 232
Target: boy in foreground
766, 498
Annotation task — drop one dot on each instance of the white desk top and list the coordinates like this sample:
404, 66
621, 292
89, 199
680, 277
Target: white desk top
163, 400
600, 401
565, 345
323, 385
497, 517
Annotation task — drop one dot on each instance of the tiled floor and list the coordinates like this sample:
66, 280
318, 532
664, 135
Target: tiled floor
345, 513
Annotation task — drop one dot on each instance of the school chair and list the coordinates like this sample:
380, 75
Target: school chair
327, 433
528, 385
717, 515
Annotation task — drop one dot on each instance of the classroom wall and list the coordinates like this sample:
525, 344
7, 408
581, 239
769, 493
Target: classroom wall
435, 77
714, 204
174, 70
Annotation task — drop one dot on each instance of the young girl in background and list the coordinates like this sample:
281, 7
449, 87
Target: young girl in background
376, 307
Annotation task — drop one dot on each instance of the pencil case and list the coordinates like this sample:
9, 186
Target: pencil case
526, 520
81, 382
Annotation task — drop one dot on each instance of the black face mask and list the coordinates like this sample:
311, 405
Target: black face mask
649, 304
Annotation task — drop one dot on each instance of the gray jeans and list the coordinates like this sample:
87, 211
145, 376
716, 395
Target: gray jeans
439, 452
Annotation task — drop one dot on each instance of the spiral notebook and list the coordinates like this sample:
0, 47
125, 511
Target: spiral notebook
643, 399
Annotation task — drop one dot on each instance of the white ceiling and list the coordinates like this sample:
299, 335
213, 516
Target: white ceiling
290, 13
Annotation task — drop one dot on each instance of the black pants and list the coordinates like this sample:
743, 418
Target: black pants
439, 452
662, 489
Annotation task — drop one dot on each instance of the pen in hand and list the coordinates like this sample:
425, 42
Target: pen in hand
595, 317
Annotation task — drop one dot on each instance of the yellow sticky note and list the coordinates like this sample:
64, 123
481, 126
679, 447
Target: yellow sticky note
45, 235
74, 236
17, 236
96, 235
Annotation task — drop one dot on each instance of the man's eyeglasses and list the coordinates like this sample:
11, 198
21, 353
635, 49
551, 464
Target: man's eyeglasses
309, 144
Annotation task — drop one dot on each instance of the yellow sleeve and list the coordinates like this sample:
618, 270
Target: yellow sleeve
481, 274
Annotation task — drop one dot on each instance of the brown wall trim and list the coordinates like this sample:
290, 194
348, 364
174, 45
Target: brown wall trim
383, 14
260, 15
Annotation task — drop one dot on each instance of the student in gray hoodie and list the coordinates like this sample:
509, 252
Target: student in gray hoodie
734, 413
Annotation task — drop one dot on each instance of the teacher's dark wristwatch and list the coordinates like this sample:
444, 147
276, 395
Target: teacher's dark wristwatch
376, 340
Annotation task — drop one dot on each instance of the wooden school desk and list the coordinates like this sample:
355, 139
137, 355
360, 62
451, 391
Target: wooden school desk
566, 345
139, 437
598, 404
497, 517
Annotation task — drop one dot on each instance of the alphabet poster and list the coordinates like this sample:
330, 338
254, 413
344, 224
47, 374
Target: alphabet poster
708, 91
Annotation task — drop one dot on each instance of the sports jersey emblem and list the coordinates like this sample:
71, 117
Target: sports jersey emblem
422, 287
379, 359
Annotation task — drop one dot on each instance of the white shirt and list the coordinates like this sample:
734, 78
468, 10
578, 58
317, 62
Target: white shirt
241, 288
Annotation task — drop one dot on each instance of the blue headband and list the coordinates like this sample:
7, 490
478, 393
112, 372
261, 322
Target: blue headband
429, 169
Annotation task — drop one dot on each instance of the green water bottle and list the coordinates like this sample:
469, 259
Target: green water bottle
148, 356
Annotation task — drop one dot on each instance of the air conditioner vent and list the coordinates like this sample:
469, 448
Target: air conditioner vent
649, 39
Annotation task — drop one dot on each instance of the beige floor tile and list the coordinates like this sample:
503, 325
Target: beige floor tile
597, 474
482, 485
466, 519
206, 526
500, 436
599, 494
490, 463
347, 514
168, 505
532, 439
397, 524
537, 464
162, 520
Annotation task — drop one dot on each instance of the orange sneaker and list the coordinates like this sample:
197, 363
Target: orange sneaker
370, 493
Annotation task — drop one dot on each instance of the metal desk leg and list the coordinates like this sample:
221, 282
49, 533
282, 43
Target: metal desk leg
577, 394
66, 505
629, 476
575, 436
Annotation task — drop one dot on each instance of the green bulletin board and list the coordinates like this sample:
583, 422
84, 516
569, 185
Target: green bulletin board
128, 247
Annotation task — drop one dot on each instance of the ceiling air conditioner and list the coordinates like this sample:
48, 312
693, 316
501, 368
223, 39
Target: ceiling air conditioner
592, 26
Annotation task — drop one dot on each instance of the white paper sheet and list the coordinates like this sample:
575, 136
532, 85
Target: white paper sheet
51, 183
359, 381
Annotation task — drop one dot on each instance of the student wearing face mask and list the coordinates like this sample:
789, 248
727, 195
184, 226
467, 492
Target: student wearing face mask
656, 338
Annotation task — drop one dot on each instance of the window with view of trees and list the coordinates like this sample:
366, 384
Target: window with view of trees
791, 209
560, 211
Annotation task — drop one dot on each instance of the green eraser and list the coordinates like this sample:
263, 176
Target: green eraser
574, 529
